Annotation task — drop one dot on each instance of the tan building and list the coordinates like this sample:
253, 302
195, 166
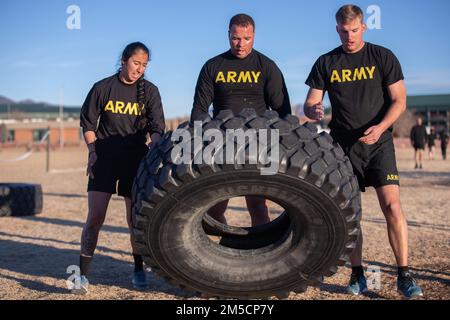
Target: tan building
31, 133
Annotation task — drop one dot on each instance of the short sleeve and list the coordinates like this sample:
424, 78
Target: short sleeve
316, 78
392, 70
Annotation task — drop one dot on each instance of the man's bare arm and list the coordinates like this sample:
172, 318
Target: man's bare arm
313, 107
397, 92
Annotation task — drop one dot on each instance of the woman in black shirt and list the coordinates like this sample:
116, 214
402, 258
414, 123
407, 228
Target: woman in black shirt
118, 114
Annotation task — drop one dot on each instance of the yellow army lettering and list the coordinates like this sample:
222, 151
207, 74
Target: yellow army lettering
348, 75
241, 77
120, 107
392, 177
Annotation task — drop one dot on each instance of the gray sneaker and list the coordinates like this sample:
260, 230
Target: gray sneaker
81, 287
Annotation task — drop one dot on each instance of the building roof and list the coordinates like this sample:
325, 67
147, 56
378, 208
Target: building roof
437, 102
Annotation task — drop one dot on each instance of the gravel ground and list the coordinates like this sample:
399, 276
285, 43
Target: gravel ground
36, 251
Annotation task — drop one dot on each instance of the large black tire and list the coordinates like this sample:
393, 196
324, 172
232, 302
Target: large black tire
20, 199
314, 184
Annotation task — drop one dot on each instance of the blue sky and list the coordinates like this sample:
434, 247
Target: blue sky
40, 57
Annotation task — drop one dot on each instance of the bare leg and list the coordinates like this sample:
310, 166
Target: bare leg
397, 227
356, 256
420, 158
259, 213
130, 223
98, 204
416, 158
218, 211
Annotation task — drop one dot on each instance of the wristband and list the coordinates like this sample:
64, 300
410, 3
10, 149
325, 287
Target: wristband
91, 147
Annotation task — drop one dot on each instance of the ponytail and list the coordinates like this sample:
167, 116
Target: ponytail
141, 120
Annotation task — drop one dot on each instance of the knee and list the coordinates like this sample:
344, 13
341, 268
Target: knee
393, 210
92, 227
95, 220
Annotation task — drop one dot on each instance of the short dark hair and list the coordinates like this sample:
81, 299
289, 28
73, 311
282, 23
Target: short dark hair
243, 20
348, 13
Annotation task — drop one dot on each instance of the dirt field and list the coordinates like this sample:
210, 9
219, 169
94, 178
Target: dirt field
36, 251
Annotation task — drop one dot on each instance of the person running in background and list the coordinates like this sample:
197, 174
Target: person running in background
118, 115
418, 138
431, 143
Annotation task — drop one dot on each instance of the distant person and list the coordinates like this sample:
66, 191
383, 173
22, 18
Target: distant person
444, 144
117, 115
236, 79
431, 143
418, 140
365, 86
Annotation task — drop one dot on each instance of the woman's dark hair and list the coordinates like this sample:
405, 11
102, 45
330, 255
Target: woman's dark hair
141, 121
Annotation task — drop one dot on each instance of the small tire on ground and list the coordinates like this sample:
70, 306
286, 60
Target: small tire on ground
20, 199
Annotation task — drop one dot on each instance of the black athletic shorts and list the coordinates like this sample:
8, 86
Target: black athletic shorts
374, 165
114, 172
419, 146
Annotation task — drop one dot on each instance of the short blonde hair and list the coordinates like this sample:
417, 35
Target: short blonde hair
348, 13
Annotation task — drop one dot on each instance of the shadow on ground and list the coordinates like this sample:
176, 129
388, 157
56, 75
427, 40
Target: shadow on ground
44, 261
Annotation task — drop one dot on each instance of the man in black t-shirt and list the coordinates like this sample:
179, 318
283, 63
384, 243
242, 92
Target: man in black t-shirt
237, 79
367, 93
418, 140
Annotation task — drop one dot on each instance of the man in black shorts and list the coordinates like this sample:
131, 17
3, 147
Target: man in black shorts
237, 79
418, 140
367, 93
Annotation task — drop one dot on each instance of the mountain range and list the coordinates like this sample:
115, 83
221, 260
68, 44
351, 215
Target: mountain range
6, 100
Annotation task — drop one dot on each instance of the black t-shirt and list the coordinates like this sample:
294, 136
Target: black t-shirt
444, 139
431, 138
111, 110
418, 135
232, 83
357, 85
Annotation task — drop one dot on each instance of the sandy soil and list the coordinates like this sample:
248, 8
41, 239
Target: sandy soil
36, 251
